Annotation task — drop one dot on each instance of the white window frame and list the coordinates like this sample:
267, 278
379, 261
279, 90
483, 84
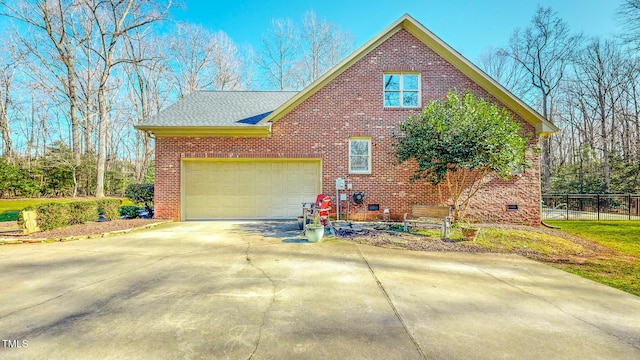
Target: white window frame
351, 141
401, 90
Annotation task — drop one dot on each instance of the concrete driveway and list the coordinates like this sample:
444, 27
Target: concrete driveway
218, 290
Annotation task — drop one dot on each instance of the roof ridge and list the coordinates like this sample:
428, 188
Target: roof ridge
542, 125
217, 109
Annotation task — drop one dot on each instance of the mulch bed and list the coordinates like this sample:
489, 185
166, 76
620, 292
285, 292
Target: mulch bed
398, 240
376, 235
92, 228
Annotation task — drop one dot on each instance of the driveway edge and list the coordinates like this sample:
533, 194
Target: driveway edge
15, 241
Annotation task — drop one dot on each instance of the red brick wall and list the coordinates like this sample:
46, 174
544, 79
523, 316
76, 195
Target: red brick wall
352, 105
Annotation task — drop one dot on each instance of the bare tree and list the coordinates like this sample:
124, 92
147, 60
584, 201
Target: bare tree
201, 59
226, 63
544, 50
88, 70
189, 53
113, 22
498, 64
633, 104
56, 20
629, 14
278, 59
600, 71
323, 45
147, 91
248, 67
9, 65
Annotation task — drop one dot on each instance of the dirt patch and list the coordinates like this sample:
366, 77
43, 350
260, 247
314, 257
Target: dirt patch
8, 225
92, 228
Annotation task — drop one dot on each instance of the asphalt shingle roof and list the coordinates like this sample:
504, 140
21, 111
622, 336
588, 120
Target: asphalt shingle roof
220, 108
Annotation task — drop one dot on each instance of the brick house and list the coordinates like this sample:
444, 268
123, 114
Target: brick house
233, 155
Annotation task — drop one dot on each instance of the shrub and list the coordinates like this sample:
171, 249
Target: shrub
141, 194
83, 211
129, 211
109, 208
53, 215
16, 181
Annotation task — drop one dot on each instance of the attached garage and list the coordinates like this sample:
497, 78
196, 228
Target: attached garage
248, 188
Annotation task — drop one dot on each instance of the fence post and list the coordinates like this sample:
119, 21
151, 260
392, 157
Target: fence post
598, 205
566, 203
629, 205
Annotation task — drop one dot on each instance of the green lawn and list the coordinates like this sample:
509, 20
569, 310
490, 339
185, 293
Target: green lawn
623, 236
9, 209
618, 265
609, 253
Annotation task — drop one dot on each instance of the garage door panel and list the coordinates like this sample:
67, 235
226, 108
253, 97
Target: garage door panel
248, 189
277, 201
308, 188
291, 213
295, 200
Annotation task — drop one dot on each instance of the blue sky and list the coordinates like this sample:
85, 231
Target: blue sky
469, 26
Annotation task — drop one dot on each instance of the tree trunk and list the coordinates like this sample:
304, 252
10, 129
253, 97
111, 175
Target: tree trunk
546, 150
103, 122
636, 108
604, 136
102, 146
7, 147
75, 128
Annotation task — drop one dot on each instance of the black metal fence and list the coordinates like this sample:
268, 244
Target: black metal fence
591, 207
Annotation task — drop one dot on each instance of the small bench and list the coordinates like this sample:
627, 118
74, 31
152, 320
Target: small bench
429, 214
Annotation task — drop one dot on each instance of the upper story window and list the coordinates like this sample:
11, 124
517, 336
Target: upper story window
360, 155
402, 90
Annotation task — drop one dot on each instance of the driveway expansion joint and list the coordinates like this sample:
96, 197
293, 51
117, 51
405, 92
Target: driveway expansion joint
559, 308
273, 295
414, 341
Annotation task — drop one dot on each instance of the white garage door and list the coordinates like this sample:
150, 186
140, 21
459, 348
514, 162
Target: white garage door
248, 188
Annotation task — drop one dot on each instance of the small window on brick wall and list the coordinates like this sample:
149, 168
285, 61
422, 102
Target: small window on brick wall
360, 155
401, 90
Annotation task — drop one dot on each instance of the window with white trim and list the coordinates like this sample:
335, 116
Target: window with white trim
360, 155
401, 90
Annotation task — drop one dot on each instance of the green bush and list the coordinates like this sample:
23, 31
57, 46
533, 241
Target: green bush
141, 194
83, 212
16, 181
53, 215
129, 211
109, 208
20, 218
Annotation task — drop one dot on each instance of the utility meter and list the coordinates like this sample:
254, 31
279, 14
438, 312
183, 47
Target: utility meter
339, 184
